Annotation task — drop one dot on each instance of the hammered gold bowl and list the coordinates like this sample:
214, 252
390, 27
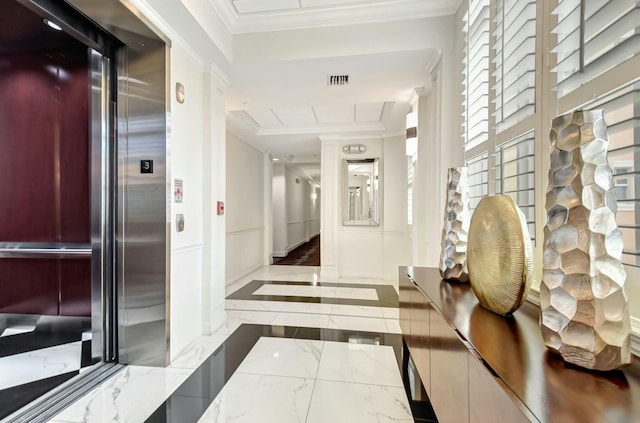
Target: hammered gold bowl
499, 255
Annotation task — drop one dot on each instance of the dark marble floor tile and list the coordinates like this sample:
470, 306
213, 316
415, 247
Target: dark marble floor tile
387, 295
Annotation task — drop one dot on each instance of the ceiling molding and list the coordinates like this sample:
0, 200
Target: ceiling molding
240, 124
323, 129
228, 14
385, 11
221, 79
243, 121
416, 93
434, 60
349, 138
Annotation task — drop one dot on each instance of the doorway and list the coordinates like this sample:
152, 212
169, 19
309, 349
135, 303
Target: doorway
56, 203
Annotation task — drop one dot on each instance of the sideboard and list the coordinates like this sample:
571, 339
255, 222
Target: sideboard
477, 366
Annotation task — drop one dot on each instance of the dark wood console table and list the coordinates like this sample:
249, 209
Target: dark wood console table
477, 366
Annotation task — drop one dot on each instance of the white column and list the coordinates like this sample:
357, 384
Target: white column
329, 208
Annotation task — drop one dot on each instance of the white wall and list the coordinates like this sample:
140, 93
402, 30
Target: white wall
186, 322
365, 251
244, 209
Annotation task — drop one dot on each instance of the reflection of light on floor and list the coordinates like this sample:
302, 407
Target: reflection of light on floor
18, 329
364, 340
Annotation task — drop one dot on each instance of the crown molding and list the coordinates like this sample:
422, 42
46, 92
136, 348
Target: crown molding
220, 78
416, 93
324, 129
433, 60
383, 11
227, 13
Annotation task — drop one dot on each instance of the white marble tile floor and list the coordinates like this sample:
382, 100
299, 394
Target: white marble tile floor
281, 379
30, 366
131, 395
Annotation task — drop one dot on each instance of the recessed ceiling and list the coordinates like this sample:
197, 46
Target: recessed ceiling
280, 98
246, 16
283, 107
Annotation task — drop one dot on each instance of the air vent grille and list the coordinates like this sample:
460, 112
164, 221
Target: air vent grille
333, 80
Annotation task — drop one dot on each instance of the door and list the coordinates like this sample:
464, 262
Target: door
56, 202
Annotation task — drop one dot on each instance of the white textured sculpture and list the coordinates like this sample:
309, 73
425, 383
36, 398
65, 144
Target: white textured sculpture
453, 258
585, 315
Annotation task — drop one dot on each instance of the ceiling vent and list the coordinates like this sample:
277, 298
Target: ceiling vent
337, 80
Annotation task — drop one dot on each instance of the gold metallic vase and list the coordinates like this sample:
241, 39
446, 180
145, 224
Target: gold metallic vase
500, 255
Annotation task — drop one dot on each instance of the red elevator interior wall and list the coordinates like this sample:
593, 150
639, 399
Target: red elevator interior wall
44, 177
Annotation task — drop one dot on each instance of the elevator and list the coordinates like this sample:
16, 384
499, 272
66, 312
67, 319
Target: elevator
84, 236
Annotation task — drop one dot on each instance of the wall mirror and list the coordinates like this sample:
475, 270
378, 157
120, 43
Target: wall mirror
361, 193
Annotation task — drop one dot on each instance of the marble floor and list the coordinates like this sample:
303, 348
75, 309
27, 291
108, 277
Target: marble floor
292, 349
39, 353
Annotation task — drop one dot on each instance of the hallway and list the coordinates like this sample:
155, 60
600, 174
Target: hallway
292, 349
308, 254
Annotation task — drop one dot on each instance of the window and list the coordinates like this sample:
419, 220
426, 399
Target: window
476, 73
478, 179
594, 36
622, 115
515, 175
623, 191
514, 56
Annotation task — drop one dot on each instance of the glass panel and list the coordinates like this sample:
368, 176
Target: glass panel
622, 115
515, 174
478, 179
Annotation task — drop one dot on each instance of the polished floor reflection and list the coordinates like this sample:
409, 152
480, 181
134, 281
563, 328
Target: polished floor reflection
308, 254
282, 360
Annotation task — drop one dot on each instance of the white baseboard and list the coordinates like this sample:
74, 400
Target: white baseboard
294, 246
279, 254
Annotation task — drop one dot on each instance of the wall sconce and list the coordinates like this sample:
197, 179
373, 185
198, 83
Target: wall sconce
314, 196
354, 149
412, 133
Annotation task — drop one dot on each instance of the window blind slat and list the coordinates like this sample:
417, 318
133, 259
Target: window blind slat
610, 35
514, 88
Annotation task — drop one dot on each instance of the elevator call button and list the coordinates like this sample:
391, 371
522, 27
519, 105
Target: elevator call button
146, 166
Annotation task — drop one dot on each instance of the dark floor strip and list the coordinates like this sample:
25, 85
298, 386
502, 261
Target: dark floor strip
13, 399
387, 295
195, 395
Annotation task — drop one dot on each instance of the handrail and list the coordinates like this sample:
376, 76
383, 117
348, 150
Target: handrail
50, 250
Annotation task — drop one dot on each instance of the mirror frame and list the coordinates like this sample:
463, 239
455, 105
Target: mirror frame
374, 219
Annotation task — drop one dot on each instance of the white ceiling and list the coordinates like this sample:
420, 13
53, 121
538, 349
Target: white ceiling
279, 99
